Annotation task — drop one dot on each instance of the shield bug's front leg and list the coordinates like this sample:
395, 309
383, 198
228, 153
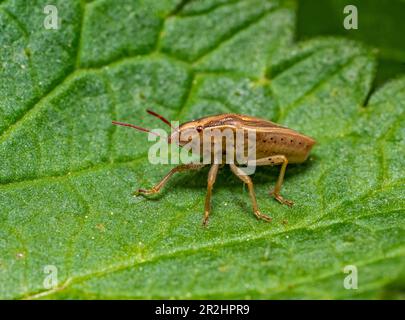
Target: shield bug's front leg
246, 179
156, 188
272, 161
212, 175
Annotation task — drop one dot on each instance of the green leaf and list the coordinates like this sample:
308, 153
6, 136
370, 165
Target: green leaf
380, 25
67, 174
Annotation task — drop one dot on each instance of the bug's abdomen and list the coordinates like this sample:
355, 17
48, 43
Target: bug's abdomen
293, 145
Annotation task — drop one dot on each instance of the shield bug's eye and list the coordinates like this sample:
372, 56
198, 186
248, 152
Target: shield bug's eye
199, 128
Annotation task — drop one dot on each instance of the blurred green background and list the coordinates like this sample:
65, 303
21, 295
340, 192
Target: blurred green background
381, 25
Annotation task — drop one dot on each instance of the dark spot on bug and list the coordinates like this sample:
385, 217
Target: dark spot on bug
199, 128
291, 141
300, 143
264, 140
281, 139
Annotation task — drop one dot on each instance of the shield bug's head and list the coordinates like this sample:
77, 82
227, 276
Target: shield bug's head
195, 130
187, 132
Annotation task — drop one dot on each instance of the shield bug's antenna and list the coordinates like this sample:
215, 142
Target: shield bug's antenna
135, 127
160, 117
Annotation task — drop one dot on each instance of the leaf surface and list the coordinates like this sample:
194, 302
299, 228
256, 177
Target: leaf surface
67, 174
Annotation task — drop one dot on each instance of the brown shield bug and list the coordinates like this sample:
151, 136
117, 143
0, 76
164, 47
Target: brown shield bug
274, 145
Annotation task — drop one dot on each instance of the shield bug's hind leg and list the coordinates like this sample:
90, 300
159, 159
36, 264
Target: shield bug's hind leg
212, 175
276, 160
246, 179
156, 188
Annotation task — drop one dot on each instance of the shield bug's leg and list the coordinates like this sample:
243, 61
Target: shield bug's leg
246, 179
212, 175
276, 160
156, 188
